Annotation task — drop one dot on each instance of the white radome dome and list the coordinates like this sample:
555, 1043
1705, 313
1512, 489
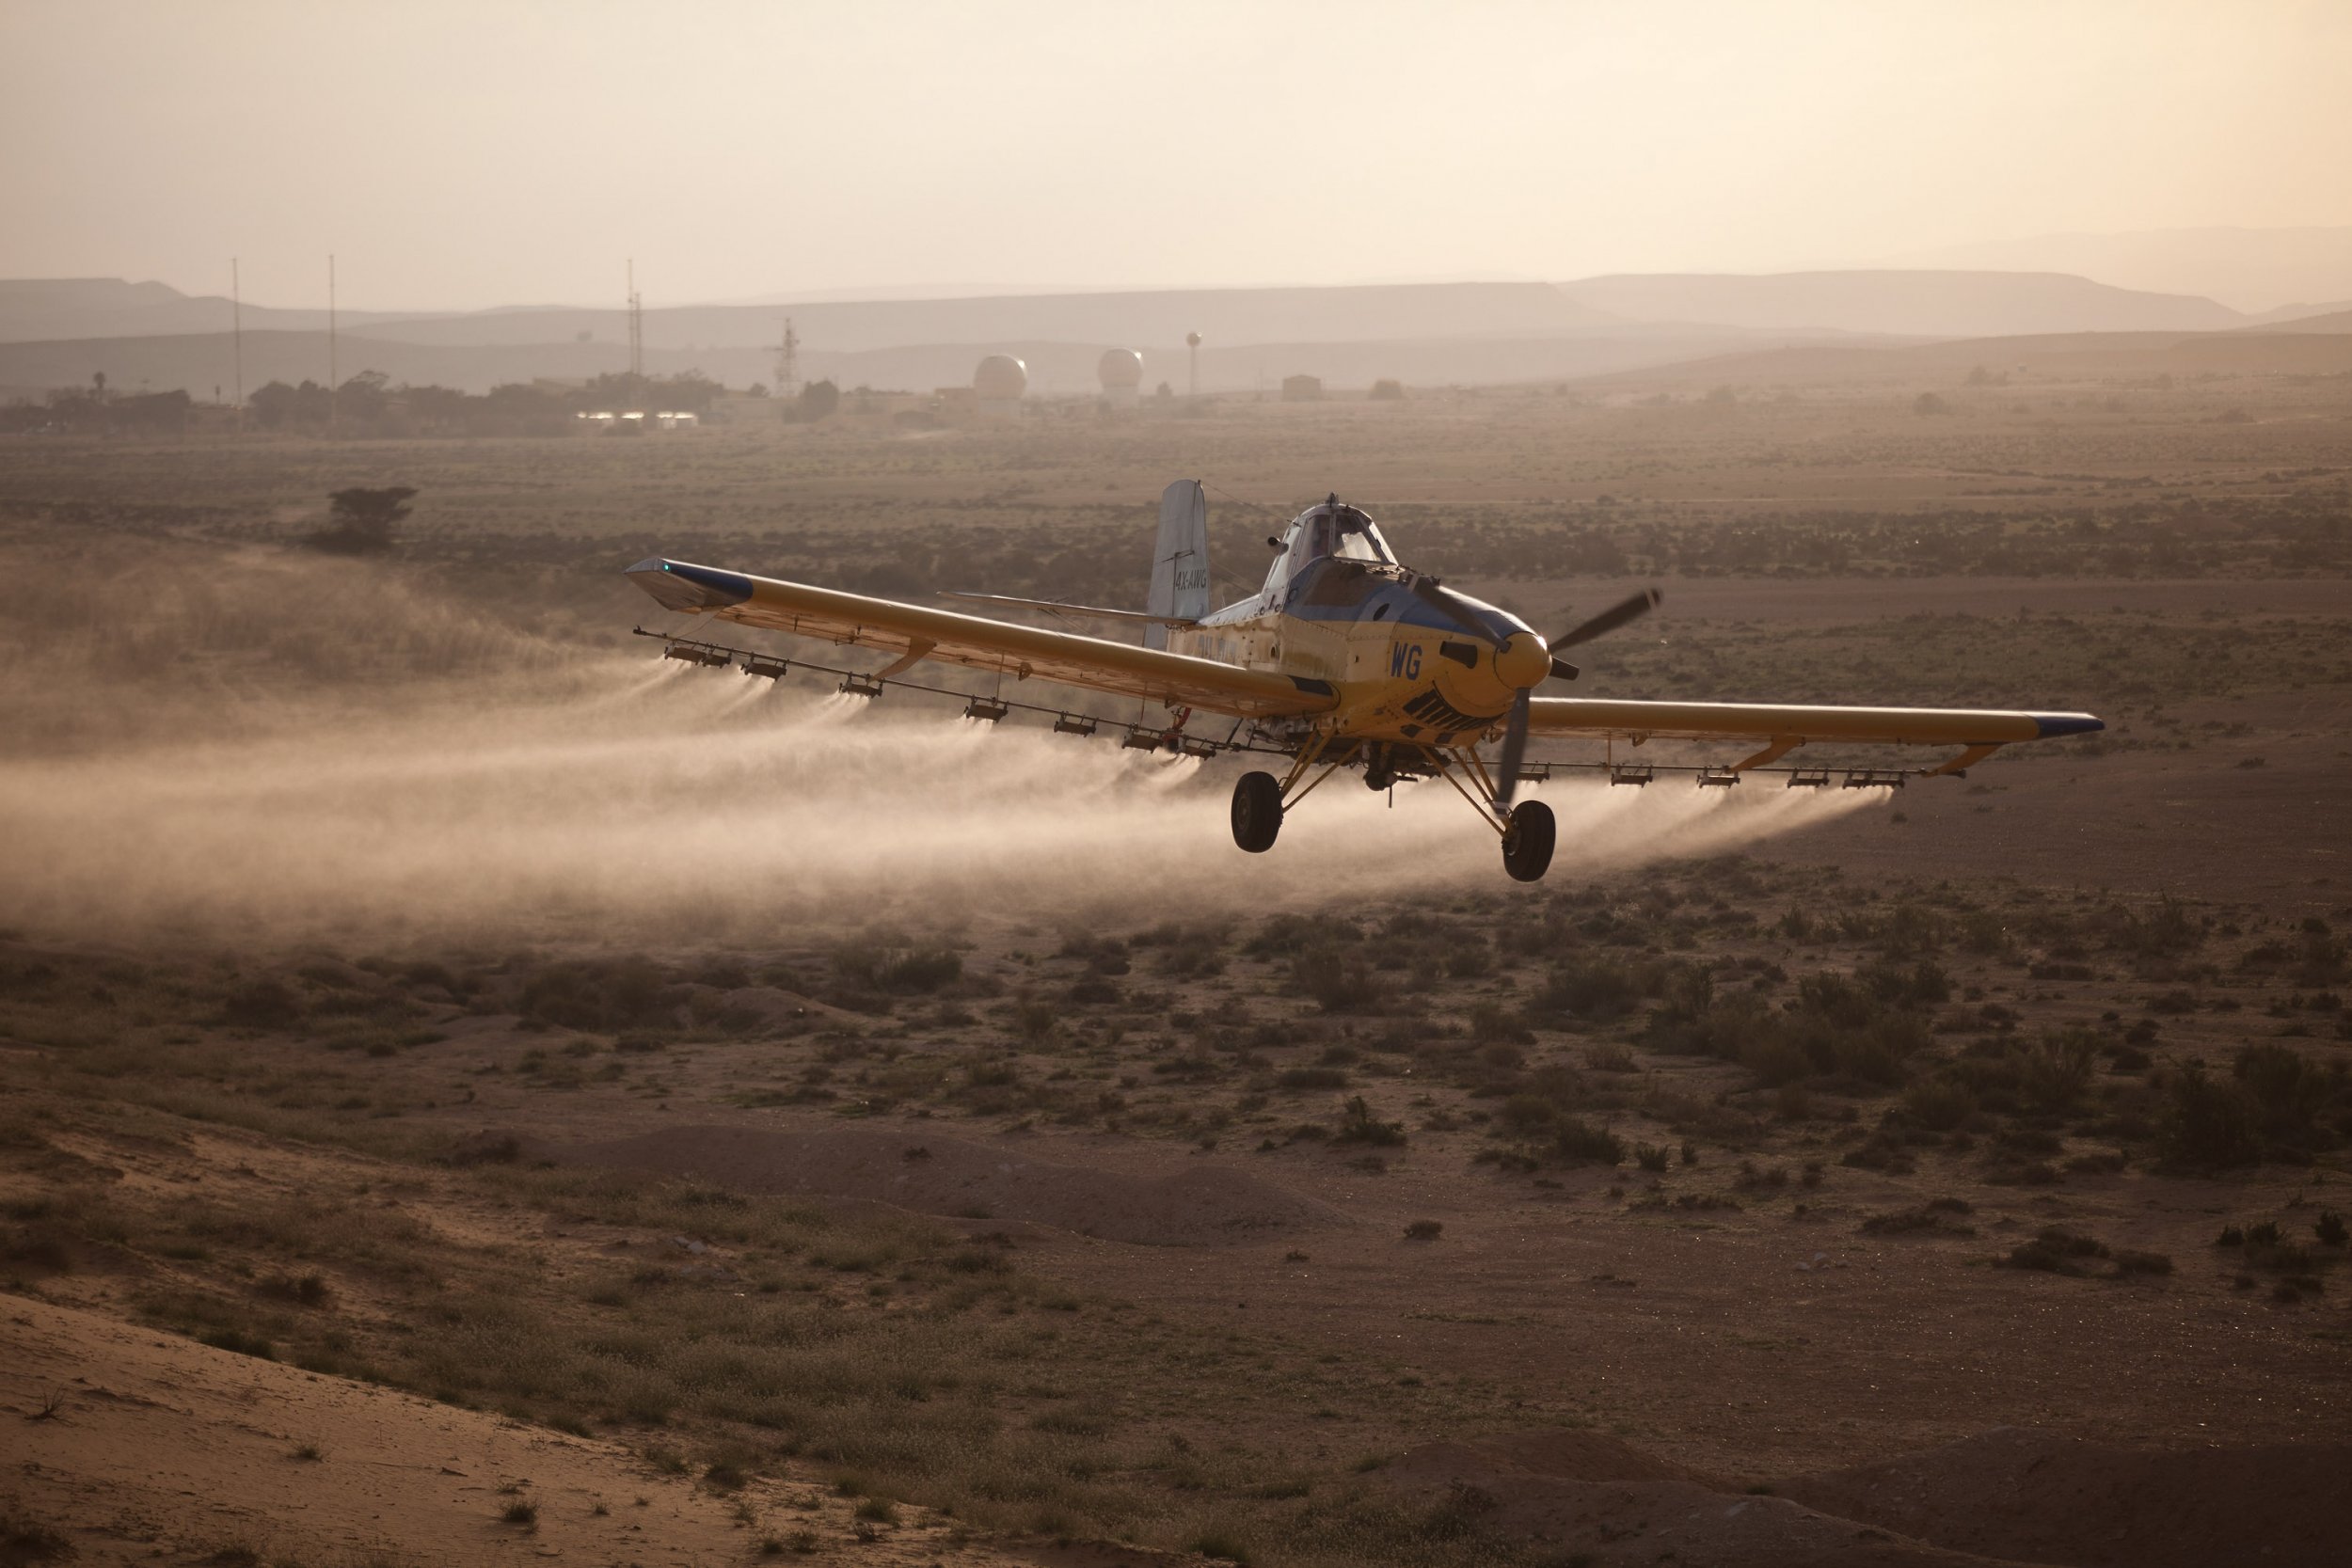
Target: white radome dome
1001, 377
1121, 369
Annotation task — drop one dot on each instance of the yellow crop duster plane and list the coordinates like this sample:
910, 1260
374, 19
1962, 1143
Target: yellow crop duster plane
1345, 658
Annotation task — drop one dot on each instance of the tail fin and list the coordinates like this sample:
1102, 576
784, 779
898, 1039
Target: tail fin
1179, 561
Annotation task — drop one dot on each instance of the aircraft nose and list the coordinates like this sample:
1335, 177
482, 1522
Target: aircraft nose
1522, 660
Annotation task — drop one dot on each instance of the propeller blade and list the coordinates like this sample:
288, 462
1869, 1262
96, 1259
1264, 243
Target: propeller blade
1611, 619
1514, 748
1431, 594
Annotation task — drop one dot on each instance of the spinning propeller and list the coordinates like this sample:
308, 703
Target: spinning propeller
1515, 731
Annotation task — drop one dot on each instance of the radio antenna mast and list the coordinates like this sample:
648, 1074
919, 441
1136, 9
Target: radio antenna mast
236, 335
788, 363
636, 327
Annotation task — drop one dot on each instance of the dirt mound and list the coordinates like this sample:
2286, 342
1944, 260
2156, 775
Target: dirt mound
2034, 1496
1202, 1205
138, 1447
1613, 1504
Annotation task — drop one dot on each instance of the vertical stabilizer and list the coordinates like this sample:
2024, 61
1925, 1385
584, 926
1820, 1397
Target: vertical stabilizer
1179, 561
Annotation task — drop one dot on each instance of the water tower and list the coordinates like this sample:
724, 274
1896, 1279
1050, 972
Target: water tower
1121, 371
1192, 387
997, 386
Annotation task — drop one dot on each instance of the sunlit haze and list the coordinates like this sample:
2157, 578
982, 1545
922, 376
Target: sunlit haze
467, 155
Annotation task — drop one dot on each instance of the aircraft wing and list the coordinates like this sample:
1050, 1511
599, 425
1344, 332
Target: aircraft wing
1782, 727
914, 632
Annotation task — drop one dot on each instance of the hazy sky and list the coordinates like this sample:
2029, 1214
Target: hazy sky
487, 152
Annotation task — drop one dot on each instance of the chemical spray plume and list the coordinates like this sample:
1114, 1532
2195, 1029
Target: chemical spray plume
716, 807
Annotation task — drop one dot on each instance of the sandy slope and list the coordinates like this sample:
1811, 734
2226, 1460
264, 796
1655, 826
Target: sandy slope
168, 1450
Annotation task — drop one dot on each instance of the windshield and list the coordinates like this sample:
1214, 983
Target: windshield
1340, 531
1359, 541
1336, 532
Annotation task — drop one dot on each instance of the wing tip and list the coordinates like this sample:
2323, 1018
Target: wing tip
681, 585
2048, 725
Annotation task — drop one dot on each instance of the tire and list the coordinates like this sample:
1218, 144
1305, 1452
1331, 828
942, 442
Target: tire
1527, 847
1257, 812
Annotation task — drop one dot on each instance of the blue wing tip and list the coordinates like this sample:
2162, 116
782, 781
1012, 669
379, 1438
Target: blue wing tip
2049, 724
680, 585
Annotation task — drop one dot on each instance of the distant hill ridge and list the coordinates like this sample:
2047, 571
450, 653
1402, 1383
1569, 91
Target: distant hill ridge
42, 310
1910, 303
1916, 303
1466, 333
34, 310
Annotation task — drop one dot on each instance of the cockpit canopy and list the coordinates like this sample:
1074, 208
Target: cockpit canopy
1332, 529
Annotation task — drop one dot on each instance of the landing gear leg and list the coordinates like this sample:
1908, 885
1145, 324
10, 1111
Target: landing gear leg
1527, 843
1527, 829
1258, 811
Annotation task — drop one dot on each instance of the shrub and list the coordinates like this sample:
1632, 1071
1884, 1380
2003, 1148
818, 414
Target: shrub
1940, 1104
1938, 1215
1358, 1126
2057, 1069
521, 1511
2209, 1124
2055, 1250
2290, 1089
1591, 989
1423, 1230
1312, 1078
917, 972
264, 1003
1528, 1113
24, 1541
1340, 982
1881, 1154
308, 1290
1577, 1141
2330, 1229
361, 520
1651, 1156
1918, 985
1494, 1023
606, 995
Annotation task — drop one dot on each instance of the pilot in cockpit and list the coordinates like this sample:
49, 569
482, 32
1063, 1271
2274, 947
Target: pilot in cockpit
1330, 529
1356, 539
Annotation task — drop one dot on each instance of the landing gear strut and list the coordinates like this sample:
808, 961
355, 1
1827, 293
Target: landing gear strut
1258, 811
1260, 799
1527, 829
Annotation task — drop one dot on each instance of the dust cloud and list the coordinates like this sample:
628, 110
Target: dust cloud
690, 805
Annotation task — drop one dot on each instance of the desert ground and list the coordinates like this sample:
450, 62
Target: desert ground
472, 1090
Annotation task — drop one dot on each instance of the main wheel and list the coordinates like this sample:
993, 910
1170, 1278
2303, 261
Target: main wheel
1257, 812
1527, 843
